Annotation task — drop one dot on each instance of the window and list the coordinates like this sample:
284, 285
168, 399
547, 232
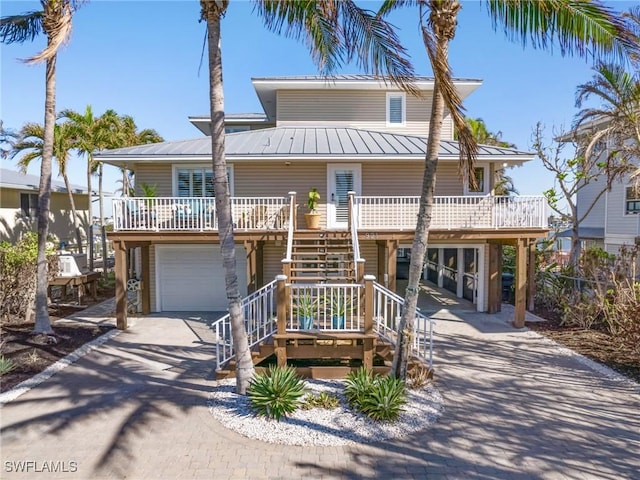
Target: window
196, 182
482, 180
235, 129
395, 108
29, 204
632, 200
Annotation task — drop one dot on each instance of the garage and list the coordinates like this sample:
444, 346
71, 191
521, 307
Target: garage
191, 277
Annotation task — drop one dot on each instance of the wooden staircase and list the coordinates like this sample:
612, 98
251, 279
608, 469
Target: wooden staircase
322, 257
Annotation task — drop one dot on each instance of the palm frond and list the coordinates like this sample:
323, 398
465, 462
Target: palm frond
577, 27
21, 28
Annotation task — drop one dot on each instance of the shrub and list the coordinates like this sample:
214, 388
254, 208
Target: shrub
419, 376
6, 365
18, 273
379, 397
322, 400
385, 400
357, 386
276, 393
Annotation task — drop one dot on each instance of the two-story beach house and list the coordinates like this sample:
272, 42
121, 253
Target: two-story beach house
361, 143
614, 216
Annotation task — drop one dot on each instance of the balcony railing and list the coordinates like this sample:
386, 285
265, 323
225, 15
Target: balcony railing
452, 213
198, 213
371, 213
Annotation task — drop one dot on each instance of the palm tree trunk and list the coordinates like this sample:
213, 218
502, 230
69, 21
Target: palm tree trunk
74, 213
244, 363
90, 228
419, 247
103, 231
42, 321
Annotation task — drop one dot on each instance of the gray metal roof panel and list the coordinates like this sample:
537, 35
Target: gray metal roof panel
17, 180
351, 77
305, 141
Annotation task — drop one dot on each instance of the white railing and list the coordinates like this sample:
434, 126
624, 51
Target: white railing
353, 226
451, 213
331, 307
387, 310
260, 321
292, 214
198, 213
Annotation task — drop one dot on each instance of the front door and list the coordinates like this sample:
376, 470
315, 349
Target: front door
341, 179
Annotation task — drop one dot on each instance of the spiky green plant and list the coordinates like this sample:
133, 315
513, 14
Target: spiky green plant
6, 365
358, 385
276, 393
385, 400
322, 400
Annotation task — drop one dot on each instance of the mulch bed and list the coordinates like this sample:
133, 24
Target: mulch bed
31, 353
593, 344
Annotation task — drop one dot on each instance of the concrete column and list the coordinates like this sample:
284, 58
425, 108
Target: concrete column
521, 282
121, 267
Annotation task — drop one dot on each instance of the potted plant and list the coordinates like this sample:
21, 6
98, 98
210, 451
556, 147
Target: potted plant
340, 308
307, 308
312, 218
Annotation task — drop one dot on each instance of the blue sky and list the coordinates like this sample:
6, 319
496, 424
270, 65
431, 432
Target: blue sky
143, 58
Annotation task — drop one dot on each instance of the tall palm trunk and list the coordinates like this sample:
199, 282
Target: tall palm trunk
74, 212
42, 320
443, 19
90, 226
103, 231
213, 11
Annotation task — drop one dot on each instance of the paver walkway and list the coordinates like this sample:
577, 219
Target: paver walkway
517, 407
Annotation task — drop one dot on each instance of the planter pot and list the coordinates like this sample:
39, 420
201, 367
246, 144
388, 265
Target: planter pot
337, 322
312, 220
306, 323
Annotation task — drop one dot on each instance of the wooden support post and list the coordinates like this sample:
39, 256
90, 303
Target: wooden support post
521, 283
367, 355
292, 200
495, 278
259, 264
146, 280
350, 202
282, 301
121, 284
392, 263
360, 270
382, 262
251, 251
368, 303
531, 277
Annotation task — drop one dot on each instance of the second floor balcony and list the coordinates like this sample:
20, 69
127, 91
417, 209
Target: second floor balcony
384, 213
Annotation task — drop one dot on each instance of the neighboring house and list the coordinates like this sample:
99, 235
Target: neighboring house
19, 207
614, 220
352, 133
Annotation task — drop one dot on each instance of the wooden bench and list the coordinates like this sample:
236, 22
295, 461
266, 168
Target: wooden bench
80, 282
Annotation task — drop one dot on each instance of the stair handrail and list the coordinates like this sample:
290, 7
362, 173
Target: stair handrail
353, 225
292, 224
260, 321
389, 304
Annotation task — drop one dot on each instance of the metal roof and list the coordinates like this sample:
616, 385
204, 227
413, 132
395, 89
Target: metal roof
308, 142
352, 77
584, 232
19, 181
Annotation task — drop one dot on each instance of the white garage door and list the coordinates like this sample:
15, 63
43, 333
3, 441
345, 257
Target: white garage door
191, 277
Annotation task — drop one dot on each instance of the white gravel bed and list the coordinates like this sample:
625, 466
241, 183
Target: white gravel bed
319, 426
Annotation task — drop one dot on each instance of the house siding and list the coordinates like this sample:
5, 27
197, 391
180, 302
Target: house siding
272, 255
158, 175
618, 223
586, 197
14, 224
356, 109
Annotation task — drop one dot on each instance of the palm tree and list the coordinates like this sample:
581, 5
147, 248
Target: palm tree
335, 31
30, 146
54, 20
617, 117
577, 26
86, 134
